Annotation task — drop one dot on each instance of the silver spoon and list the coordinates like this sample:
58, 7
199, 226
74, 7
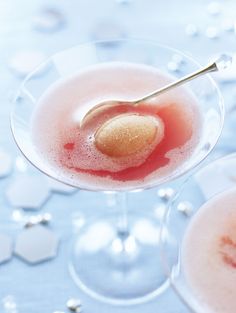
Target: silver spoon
222, 62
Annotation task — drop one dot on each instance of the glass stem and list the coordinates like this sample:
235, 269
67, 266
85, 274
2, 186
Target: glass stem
122, 227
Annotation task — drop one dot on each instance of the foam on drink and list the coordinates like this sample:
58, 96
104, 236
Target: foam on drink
71, 151
209, 254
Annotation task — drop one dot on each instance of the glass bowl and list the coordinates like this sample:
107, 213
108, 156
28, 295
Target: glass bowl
123, 268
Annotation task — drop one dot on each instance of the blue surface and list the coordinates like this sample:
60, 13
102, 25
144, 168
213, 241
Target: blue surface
46, 287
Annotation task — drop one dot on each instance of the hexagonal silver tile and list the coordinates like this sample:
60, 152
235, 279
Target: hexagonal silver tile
5, 163
36, 244
5, 248
28, 192
59, 187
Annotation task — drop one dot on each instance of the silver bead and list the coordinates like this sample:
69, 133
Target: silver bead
214, 8
173, 66
191, 30
46, 218
74, 305
178, 59
9, 304
32, 221
17, 216
212, 32
166, 193
185, 207
43, 219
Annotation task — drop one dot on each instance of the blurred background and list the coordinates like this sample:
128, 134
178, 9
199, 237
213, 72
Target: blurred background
31, 31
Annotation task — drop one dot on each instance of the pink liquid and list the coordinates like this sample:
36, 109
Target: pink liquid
71, 150
209, 254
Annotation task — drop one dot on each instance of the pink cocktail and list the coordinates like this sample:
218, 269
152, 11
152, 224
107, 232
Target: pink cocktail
115, 257
71, 149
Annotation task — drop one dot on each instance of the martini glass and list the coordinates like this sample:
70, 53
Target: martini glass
205, 184
115, 256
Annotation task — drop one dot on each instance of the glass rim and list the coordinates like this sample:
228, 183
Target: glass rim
106, 42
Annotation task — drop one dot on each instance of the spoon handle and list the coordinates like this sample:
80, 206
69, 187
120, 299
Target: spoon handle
209, 68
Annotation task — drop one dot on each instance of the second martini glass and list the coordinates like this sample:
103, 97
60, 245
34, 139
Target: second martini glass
115, 256
207, 287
